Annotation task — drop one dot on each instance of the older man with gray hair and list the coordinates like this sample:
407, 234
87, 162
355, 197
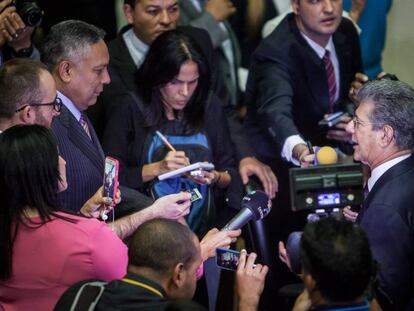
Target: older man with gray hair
383, 133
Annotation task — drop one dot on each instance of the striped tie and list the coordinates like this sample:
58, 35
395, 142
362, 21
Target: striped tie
330, 74
85, 125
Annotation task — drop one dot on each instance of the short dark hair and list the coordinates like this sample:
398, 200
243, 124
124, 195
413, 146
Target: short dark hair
394, 106
336, 253
69, 40
19, 84
162, 64
29, 177
160, 244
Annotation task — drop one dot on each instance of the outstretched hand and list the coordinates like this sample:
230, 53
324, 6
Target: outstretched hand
249, 166
215, 238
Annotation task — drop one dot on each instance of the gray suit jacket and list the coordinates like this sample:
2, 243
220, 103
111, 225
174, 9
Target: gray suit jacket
189, 15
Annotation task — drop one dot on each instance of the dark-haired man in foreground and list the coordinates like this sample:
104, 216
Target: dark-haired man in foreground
164, 263
337, 266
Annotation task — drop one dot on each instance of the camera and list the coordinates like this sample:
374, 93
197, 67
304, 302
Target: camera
29, 11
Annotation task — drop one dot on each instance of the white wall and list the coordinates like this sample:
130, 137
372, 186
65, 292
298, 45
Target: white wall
398, 57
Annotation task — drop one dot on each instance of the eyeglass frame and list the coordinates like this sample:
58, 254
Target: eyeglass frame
355, 121
57, 105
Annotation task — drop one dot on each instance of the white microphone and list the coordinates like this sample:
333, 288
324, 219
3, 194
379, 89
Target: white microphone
255, 205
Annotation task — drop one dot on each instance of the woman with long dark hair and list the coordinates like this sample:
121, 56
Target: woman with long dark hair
43, 250
175, 99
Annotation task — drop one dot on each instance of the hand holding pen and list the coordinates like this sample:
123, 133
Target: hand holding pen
304, 153
174, 159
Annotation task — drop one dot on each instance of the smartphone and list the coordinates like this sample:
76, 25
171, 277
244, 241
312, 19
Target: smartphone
227, 258
195, 195
332, 119
110, 183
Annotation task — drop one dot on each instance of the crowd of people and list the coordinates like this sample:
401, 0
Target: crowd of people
166, 93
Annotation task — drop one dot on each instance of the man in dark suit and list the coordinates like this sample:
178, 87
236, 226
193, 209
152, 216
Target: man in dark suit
289, 88
78, 58
288, 93
383, 133
128, 51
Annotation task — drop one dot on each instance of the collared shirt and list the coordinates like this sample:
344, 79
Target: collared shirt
293, 140
320, 51
137, 48
70, 105
282, 5
381, 169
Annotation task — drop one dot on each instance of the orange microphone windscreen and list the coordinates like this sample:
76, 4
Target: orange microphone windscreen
326, 155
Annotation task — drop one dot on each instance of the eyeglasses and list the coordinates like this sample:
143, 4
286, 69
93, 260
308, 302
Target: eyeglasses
356, 121
57, 105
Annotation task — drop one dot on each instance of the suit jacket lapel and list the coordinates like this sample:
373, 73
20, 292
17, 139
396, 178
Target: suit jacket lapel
393, 172
77, 135
315, 71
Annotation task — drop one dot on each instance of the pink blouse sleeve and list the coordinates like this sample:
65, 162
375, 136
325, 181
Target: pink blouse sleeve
109, 254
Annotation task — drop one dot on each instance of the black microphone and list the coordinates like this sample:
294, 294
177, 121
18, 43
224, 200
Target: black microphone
293, 251
253, 206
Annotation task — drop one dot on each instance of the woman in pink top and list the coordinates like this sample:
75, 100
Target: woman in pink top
43, 251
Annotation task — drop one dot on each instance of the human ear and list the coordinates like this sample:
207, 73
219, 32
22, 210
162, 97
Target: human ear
128, 12
64, 71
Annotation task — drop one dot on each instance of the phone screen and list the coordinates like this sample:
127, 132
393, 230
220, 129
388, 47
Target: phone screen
111, 177
227, 258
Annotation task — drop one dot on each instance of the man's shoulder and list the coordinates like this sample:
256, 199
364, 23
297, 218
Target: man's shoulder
394, 191
347, 25
61, 122
347, 29
116, 46
284, 38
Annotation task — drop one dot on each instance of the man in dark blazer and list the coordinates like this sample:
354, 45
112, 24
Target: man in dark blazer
287, 94
383, 133
287, 90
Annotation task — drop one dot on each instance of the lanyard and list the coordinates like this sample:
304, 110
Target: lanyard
150, 288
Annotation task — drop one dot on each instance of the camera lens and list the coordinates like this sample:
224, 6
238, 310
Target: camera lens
30, 12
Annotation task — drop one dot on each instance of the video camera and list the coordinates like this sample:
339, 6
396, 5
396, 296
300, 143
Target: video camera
326, 187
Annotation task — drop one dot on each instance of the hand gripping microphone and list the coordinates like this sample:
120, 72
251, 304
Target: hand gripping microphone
253, 206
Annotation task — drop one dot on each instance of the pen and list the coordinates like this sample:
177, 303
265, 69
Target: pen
308, 143
164, 139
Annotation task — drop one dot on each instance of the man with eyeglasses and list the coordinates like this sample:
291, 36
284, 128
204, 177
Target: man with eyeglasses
383, 136
27, 94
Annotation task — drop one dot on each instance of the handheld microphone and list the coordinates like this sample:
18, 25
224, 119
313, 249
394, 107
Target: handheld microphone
326, 155
254, 206
293, 250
